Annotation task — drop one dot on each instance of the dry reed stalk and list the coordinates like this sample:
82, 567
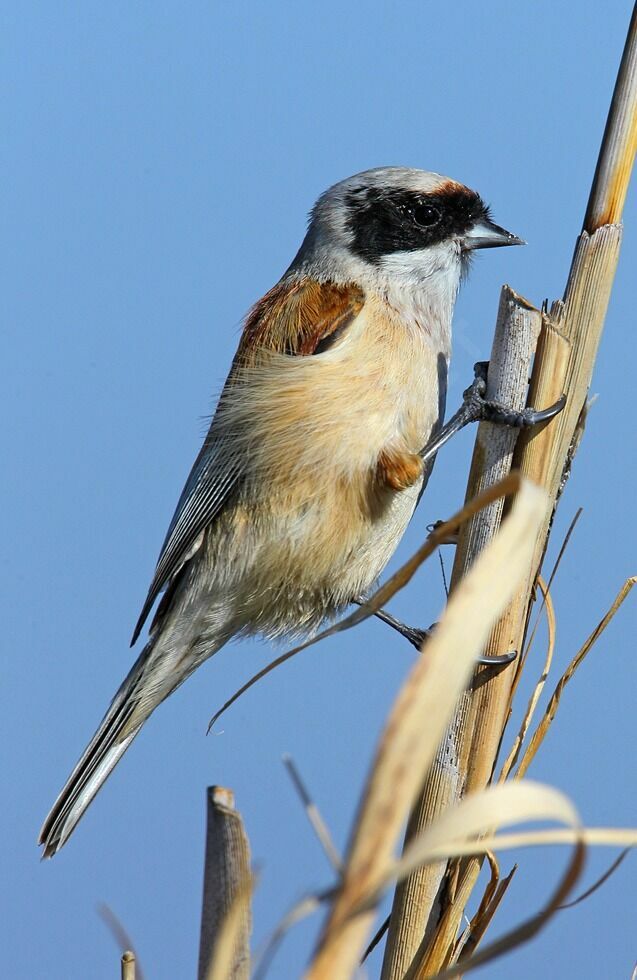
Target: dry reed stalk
224, 946
128, 965
429, 906
313, 814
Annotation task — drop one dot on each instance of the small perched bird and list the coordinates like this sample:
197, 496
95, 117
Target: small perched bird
311, 468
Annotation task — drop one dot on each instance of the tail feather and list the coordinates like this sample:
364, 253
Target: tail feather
163, 665
100, 757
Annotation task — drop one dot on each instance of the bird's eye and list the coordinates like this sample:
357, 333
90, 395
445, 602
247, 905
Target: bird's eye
426, 215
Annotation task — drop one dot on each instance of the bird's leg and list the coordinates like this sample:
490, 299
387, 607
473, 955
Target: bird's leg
419, 636
476, 408
415, 636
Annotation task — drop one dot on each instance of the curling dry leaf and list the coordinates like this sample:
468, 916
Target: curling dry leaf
539, 687
540, 732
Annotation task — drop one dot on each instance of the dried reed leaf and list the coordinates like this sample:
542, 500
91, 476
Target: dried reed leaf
438, 948
301, 910
593, 836
313, 815
540, 732
417, 722
376, 938
535, 798
522, 933
398, 580
474, 813
539, 687
541, 804
482, 920
492, 884
599, 882
531, 639
529, 643
554, 570
456, 832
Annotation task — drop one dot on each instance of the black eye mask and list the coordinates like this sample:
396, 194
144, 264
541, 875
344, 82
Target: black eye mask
384, 221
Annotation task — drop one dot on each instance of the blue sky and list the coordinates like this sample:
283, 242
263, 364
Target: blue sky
159, 160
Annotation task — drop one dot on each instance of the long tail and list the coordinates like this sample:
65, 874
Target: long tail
100, 757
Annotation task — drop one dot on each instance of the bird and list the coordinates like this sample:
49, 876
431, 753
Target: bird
311, 468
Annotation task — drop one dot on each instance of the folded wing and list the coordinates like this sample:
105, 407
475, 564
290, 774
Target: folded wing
298, 317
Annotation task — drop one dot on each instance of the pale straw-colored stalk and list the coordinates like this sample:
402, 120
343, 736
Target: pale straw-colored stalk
224, 946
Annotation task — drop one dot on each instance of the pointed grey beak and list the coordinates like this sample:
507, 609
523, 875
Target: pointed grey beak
485, 234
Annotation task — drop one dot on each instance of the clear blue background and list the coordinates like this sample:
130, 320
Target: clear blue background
158, 161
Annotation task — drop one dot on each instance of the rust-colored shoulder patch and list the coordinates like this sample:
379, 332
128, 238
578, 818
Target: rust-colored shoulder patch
298, 317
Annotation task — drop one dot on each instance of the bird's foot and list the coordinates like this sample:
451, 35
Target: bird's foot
480, 409
477, 408
417, 637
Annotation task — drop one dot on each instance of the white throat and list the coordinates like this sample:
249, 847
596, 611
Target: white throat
422, 287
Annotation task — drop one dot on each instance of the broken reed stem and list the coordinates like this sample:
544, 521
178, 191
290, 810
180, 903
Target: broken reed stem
429, 905
226, 880
128, 965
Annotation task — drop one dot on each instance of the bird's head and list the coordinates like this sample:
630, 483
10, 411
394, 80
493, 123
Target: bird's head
399, 224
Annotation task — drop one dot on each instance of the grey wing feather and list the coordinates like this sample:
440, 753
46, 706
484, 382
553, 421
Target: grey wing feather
211, 480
